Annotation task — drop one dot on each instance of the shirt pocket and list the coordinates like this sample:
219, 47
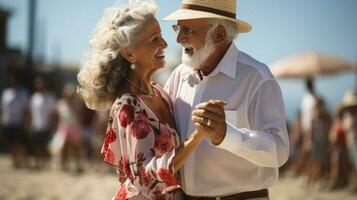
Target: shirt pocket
231, 117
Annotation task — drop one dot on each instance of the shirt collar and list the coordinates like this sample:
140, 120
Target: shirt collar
190, 75
227, 65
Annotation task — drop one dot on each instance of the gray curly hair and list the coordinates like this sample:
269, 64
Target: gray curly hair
104, 69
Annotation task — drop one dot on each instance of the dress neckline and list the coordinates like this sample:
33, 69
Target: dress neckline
154, 114
158, 91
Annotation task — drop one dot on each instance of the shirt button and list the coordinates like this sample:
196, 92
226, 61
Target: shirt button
130, 189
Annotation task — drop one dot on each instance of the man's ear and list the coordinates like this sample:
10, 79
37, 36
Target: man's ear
128, 55
221, 34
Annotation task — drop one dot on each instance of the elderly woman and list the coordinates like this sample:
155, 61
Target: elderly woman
126, 49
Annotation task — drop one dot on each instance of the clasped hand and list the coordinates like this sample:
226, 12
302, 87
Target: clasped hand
210, 120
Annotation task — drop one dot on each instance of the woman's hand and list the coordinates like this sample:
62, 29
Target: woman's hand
215, 133
210, 120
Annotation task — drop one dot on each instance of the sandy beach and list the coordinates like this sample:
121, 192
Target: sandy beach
296, 188
27, 184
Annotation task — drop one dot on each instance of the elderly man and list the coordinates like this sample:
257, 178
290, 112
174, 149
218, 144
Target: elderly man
246, 127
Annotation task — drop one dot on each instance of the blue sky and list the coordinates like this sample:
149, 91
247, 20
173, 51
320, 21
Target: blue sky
280, 28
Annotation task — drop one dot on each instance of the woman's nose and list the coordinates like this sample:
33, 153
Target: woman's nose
163, 42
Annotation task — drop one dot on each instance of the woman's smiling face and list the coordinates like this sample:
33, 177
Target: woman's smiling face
149, 51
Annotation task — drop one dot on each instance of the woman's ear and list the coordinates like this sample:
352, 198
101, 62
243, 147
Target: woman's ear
128, 55
221, 34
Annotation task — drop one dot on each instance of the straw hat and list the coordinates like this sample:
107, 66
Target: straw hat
222, 9
349, 100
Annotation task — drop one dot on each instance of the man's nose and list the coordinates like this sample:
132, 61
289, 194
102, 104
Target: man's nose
181, 37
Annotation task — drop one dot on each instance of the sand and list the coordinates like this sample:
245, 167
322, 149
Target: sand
29, 184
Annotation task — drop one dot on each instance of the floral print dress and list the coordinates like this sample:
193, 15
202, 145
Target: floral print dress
142, 147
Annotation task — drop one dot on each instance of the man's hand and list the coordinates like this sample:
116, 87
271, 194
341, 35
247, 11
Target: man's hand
209, 117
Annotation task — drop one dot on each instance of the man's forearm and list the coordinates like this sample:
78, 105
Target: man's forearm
263, 148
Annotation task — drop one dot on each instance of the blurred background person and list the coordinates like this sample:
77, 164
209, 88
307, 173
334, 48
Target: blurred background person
42, 109
100, 127
14, 120
86, 121
308, 103
69, 128
295, 142
319, 142
340, 165
348, 109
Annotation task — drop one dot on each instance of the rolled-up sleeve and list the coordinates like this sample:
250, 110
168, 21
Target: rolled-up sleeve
265, 143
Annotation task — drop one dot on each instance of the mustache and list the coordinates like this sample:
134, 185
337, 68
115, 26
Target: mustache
186, 45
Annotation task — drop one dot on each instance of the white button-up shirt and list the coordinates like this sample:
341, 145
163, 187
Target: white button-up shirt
256, 141
42, 105
307, 110
14, 103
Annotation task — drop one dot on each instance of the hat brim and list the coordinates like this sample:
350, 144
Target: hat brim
185, 14
342, 108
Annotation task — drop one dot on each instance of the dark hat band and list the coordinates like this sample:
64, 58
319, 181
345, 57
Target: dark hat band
207, 9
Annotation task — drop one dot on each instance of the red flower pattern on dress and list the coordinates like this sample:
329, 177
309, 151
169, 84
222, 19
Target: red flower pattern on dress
140, 127
165, 141
109, 156
126, 115
121, 194
167, 177
110, 137
140, 159
136, 122
124, 166
145, 178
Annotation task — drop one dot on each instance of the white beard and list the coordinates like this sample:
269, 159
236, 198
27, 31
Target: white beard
199, 55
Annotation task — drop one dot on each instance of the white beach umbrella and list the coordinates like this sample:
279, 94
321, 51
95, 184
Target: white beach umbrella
310, 63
